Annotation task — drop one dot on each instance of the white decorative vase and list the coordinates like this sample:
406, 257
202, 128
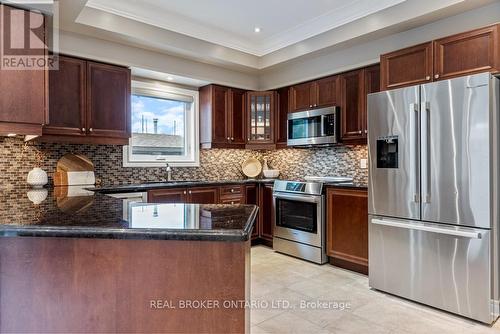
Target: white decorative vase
37, 178
37, 196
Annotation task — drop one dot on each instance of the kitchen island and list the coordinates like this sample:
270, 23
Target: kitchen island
71, 263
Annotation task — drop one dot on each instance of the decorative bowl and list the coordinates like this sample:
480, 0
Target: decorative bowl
251, 167
271, 173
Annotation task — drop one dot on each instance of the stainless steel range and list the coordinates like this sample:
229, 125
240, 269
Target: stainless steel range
299, 225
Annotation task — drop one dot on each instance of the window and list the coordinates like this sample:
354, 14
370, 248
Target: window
164, 126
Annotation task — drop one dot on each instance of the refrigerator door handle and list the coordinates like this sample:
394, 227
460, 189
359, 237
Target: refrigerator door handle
426, 161
426, 228
414, 108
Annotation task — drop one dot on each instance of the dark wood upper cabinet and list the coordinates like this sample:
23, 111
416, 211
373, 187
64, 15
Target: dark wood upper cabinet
222, 117
282, 117
372, 85
301, 97
89, 103
67, 87
467, 53
260, 118
352, 106
177, 195
23, 97
237, 116
325, 92
458, 55
314, 94
108, 100
406, 67
203, 195
347, 228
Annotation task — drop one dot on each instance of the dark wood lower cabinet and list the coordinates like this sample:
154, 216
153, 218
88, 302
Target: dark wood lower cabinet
203, 195
252, 197
347, 228
167, 196
257, 194
266, 213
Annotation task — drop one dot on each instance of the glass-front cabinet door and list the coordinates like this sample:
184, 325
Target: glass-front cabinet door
260, 117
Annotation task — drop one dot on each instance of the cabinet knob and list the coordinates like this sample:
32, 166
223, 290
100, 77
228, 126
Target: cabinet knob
360, 132
315, 105
366, 131
232, 202
436, 76
184, 192
232, 138
232, 190
228, 138
190, 192
83, 129
310, 106
428, 78
90, 129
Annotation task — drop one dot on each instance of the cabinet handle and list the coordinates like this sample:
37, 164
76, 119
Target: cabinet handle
436, 76
428, 78
83, 130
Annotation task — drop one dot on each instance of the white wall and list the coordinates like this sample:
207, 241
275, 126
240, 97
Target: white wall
99, 49
334, 61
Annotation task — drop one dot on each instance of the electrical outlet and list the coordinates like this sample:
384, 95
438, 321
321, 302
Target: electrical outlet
364, 163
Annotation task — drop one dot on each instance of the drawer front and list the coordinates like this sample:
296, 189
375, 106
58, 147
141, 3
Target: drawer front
231, 191
434, 264
234, 200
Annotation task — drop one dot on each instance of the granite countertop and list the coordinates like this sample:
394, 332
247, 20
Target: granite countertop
352, 185
140, 187
73, 212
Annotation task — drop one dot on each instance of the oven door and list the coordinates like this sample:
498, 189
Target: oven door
299, 218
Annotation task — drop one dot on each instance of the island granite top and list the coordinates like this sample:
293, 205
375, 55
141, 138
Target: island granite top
141, 187
73, 212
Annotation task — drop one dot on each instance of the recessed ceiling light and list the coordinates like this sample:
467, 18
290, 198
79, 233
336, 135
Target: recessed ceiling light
256, 29
170, 78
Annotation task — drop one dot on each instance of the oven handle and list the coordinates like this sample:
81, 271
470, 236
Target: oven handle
301, 198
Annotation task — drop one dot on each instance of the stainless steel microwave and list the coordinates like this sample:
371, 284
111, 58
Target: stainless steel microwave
313, 127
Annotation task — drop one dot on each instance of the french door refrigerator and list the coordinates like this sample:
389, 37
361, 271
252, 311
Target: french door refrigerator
433, 194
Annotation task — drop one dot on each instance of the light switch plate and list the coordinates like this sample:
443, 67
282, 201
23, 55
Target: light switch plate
364, 163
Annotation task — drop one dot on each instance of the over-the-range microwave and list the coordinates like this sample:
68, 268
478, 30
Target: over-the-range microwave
313, 127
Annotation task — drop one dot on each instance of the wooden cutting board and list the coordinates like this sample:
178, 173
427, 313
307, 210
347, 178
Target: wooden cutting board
74, 169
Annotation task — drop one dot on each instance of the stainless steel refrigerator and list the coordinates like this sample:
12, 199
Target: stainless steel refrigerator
433, 194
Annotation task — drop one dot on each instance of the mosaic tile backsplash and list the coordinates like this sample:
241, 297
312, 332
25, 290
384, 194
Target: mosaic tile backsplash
18, 158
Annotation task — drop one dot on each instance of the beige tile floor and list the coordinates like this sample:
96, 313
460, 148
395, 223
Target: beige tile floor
279, 278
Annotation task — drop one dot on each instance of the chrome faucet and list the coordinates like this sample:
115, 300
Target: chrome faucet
169, 173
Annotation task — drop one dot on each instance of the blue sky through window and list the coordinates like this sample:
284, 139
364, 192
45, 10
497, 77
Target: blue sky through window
169, 113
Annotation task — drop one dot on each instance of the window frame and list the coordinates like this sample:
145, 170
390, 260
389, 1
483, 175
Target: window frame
164, 91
